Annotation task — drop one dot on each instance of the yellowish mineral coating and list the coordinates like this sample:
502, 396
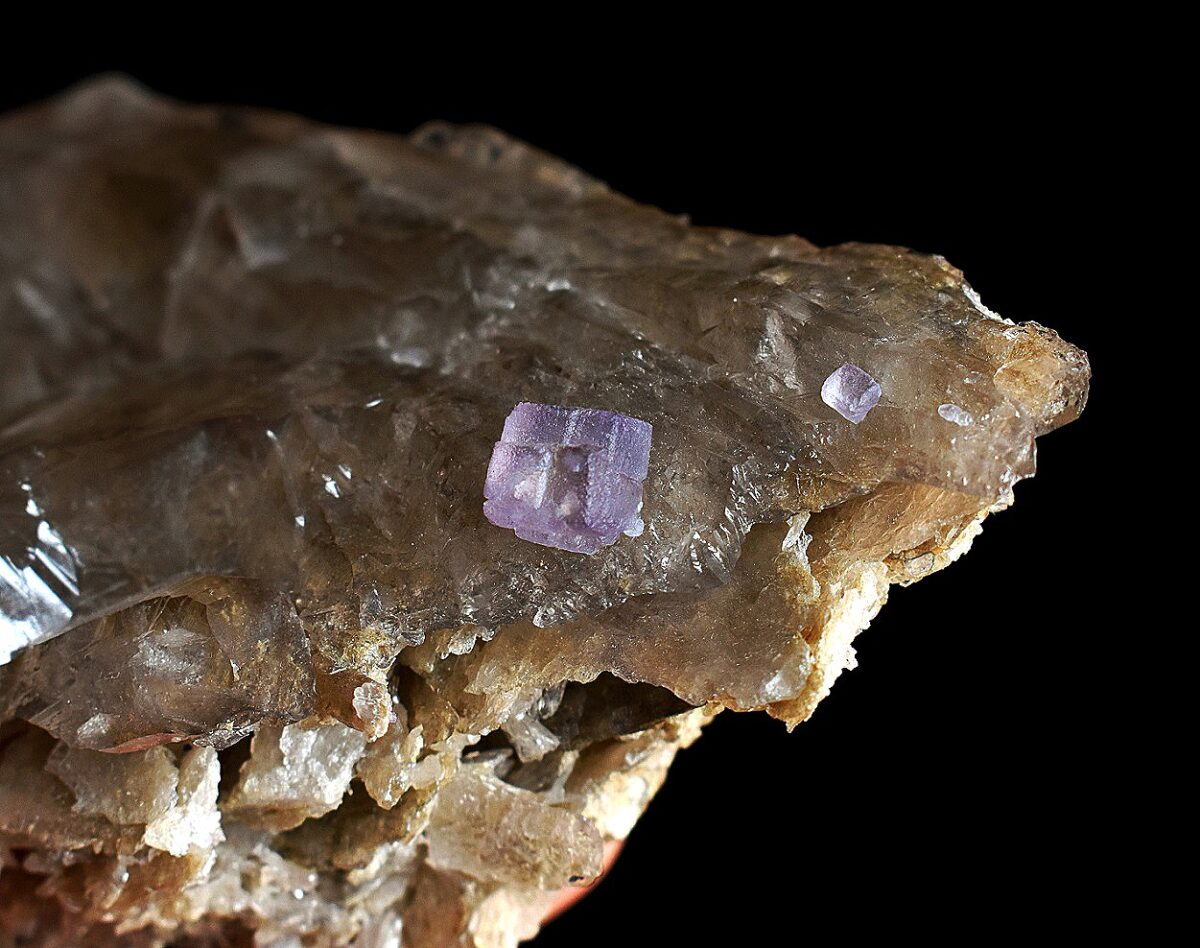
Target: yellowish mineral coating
279, 676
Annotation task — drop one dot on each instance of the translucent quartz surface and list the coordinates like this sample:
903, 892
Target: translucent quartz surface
285, 350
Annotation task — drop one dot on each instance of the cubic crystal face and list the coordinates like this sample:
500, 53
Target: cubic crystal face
851, 392
569, 478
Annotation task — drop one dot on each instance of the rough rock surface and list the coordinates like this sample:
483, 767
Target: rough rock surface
252, 373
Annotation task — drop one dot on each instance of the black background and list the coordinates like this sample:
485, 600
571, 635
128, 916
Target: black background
954, 785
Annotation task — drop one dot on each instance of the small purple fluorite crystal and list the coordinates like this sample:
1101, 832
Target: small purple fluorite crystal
570, 478
850, 392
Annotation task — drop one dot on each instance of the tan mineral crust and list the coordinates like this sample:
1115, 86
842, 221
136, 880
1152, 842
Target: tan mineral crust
270, 675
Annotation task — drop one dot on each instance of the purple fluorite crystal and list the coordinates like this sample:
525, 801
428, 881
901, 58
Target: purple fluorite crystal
850, 392
570, 478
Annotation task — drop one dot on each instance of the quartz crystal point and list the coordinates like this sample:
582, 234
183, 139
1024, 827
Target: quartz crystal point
568, 478
270, 668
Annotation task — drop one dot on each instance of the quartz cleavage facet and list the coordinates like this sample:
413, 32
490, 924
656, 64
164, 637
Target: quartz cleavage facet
569, 478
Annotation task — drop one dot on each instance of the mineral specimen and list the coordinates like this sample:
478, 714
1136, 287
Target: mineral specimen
851, 392
568, 478
956, 415
273, 672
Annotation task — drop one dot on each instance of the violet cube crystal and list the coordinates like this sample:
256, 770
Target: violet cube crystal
850, 392
569, 478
